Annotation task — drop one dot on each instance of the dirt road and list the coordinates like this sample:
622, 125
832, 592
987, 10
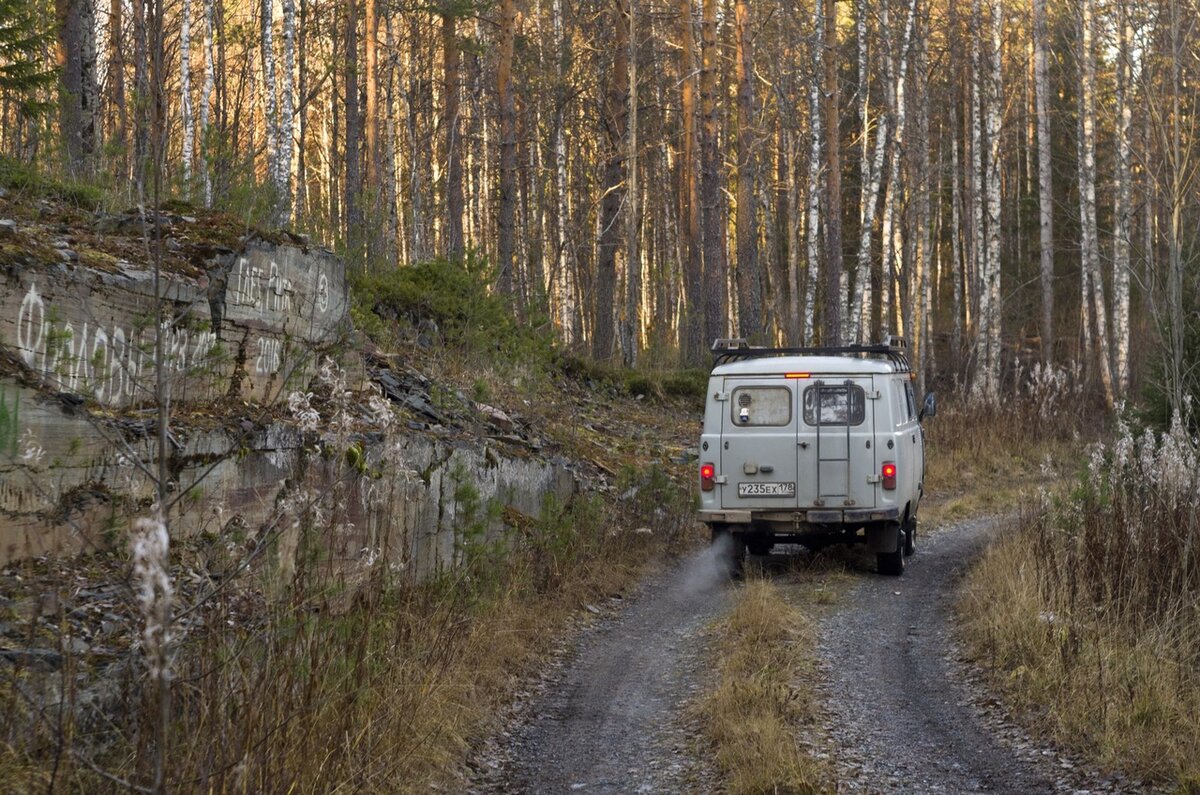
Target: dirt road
903, 715
609, 719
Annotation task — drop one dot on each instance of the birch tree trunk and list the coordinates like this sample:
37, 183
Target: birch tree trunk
564, 271
269, 95
749, 269
833, 184
1123, 209
995, 108
872, 173
1089, 238
1045, 177
205, 99
794, 329
185, 93
978, 254
813, 230
283, 178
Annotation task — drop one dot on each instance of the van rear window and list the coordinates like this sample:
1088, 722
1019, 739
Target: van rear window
762, 405
840, 405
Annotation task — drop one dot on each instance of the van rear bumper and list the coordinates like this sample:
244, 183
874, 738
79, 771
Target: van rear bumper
823, 516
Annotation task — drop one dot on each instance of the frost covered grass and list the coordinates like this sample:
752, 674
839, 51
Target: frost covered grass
762, 699
1088, 616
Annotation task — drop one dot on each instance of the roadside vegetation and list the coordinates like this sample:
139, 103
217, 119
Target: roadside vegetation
1087, 617
763, 701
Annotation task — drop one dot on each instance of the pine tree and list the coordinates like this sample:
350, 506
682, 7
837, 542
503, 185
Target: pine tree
22, 40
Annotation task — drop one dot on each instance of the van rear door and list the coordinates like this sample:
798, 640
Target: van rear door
836, 459
758, 447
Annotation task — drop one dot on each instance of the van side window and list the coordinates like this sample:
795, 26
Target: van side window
840, 405
912, 401
761, 405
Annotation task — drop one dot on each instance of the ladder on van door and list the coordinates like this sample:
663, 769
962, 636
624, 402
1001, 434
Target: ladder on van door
822, 457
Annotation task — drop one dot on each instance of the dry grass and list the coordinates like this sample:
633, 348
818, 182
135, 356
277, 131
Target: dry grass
988, 459
1088, 618
763, 699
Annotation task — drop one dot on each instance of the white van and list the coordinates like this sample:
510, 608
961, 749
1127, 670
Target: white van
813, 446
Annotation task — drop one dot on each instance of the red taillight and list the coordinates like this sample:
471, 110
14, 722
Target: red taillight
708, 474
889, 475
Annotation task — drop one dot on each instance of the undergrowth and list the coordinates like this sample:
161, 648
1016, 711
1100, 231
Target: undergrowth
1088, 614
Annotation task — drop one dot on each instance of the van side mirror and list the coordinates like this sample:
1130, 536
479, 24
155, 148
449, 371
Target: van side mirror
930, 407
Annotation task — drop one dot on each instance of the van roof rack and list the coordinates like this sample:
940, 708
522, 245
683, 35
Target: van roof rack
893, 348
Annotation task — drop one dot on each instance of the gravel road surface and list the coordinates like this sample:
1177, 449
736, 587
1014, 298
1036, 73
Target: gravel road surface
904, 713
609, 718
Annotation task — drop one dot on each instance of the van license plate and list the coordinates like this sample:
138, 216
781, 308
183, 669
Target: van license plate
766, 489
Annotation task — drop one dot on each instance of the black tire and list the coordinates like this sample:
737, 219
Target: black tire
891, 564
910, 536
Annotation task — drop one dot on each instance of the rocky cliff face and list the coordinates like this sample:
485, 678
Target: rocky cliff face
243, 329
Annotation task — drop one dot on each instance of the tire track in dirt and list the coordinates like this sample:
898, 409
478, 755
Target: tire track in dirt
611, 719
903, 713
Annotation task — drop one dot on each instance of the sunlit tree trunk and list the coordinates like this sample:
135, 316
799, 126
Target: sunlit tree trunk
270, 96
615, 118
749, 276
508, 148
186, 118
564, 269
1123, 209
871, 168
833, 183
712, 203
1089, 238
352, 187
78, 88
452, 130
283, 174
1045, 176
993, 113
632, 314
205, 103
689, 192
813, 183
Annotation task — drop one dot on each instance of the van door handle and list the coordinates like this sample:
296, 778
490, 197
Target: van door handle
804, 445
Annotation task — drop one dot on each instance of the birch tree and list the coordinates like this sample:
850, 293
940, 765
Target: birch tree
812, 184
1093, 286
991, 285
1123, 209
185, 91
1045, 177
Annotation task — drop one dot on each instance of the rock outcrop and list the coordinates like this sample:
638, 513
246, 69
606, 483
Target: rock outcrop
242, 330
